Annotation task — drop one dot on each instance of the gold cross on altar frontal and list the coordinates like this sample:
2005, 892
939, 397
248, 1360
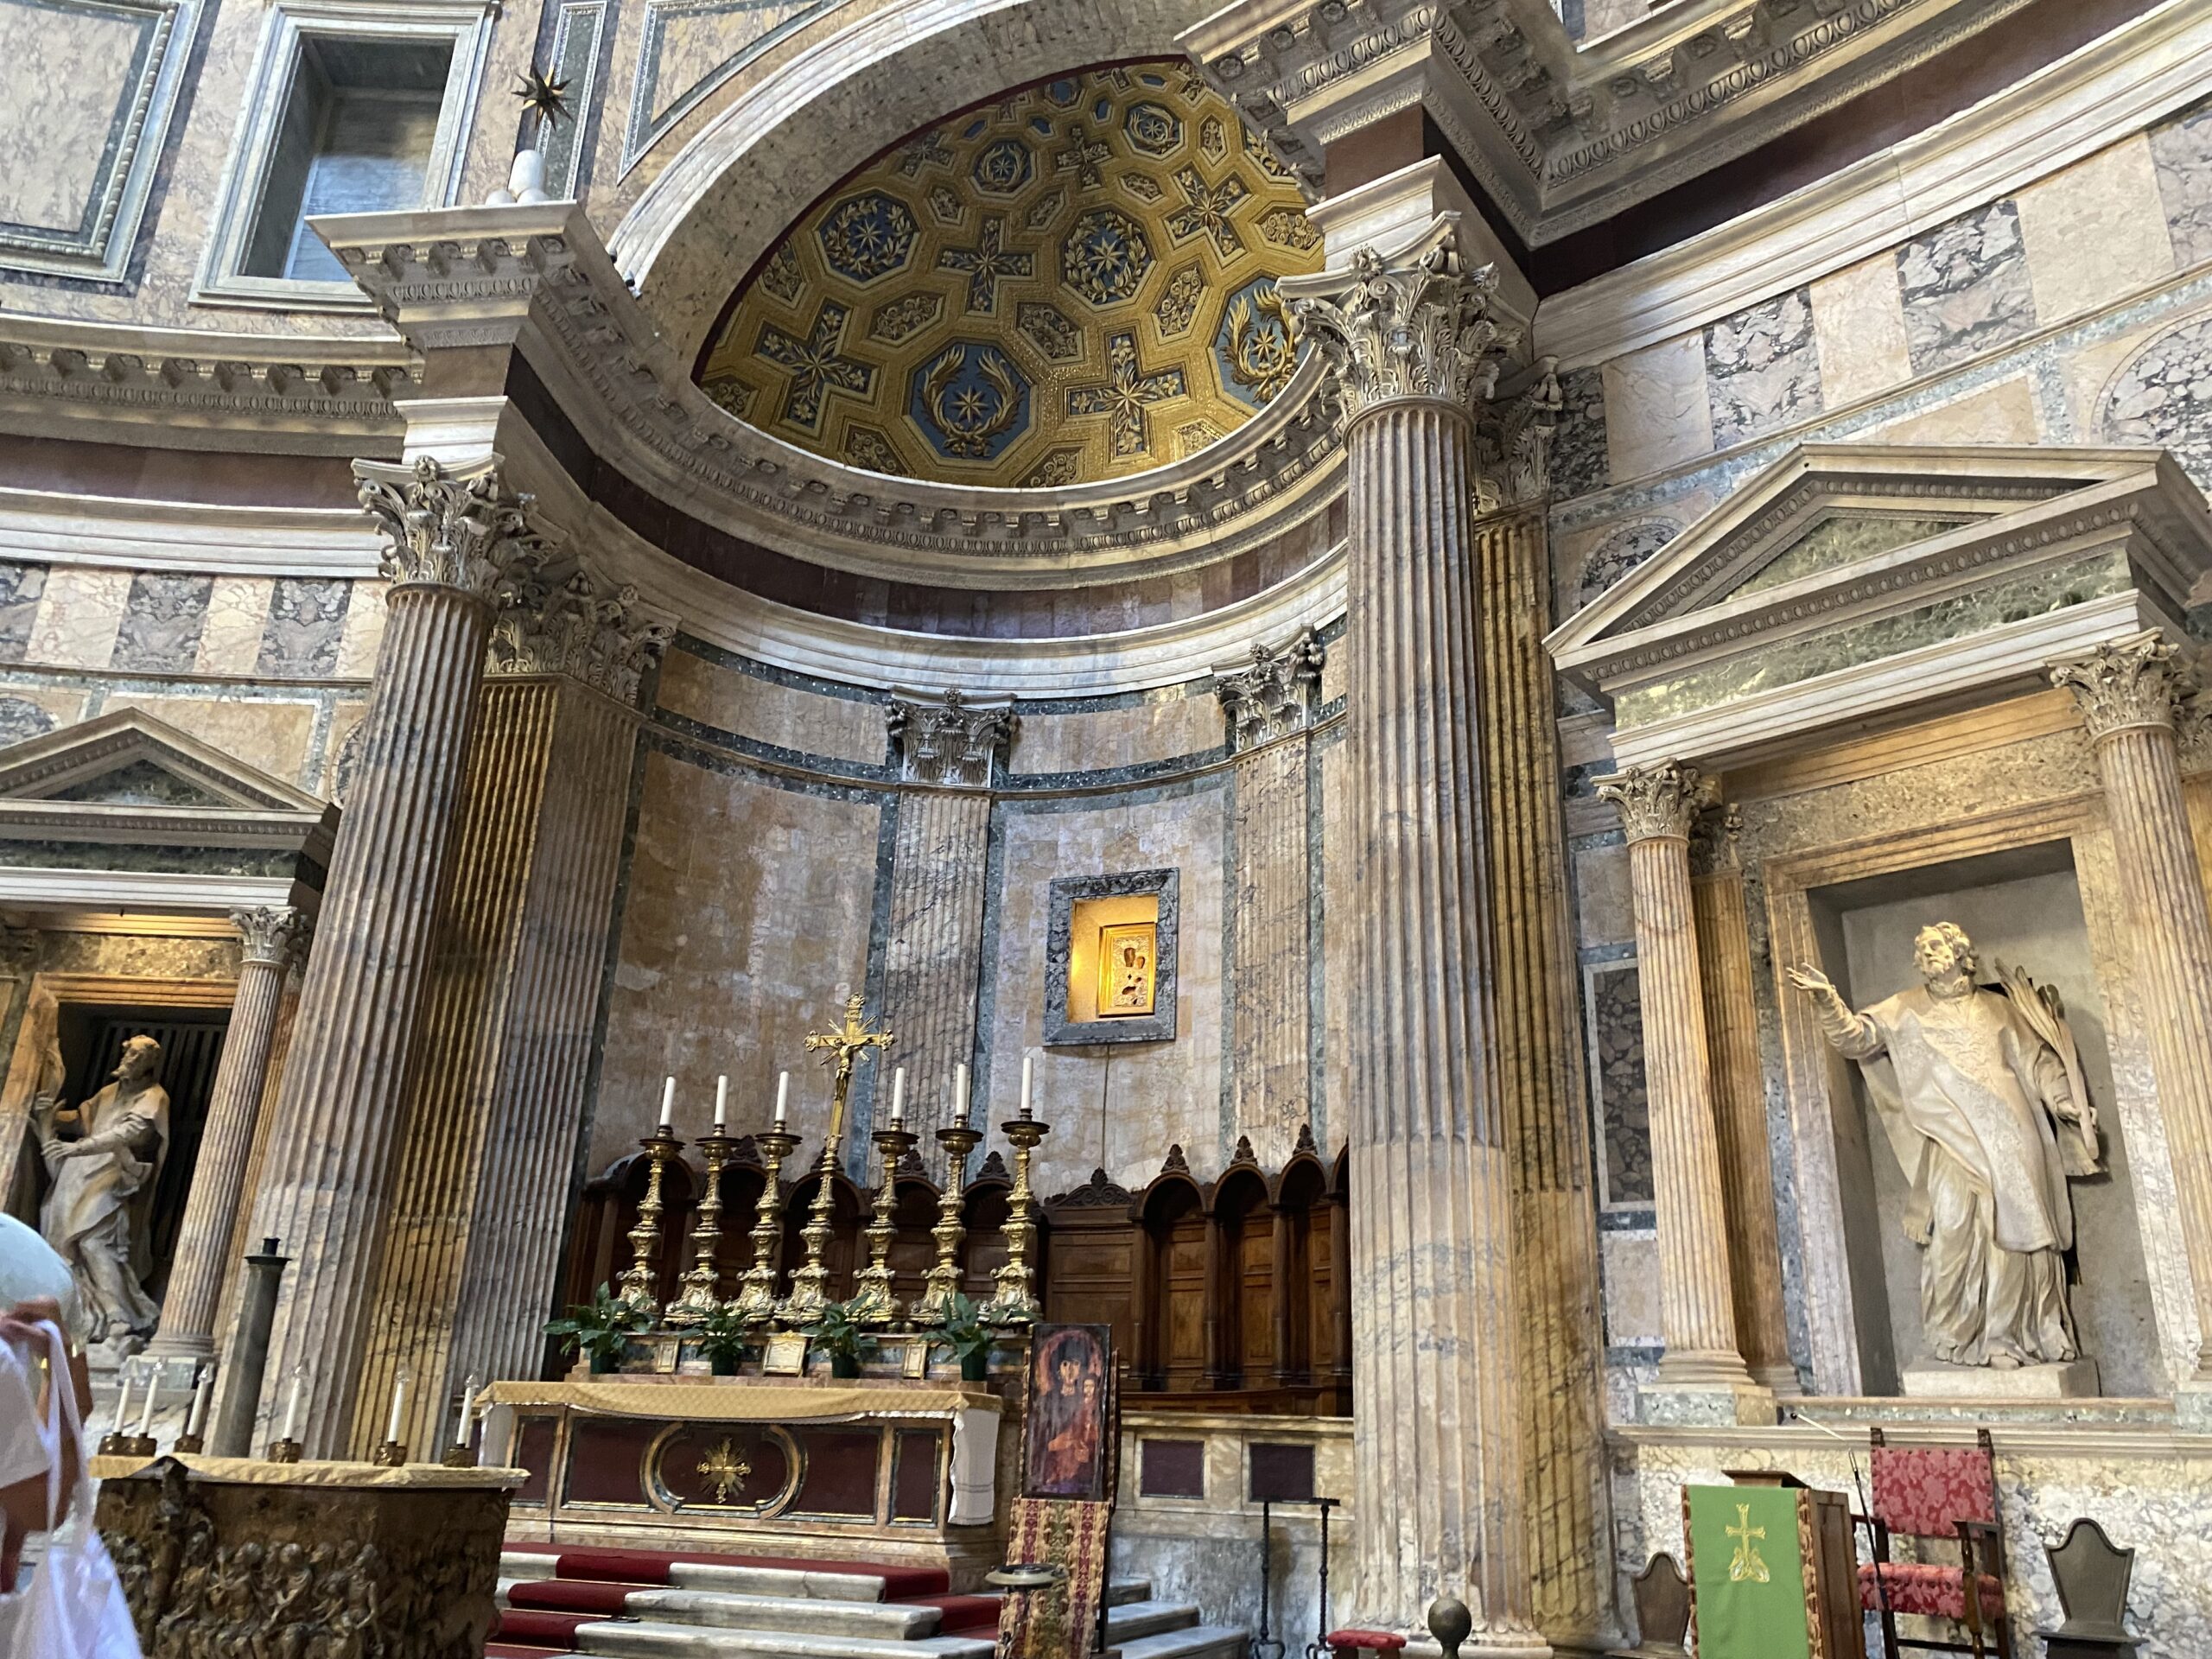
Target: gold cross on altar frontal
1747, 1564
848, 1044
725, 1469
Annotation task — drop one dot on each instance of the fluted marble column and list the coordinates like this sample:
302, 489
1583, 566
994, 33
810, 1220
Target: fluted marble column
2129, 694
1271, 895
487, 1171
1540, 1078
272, 937
934, 956
1702, 1376
1437, 1426
457, 545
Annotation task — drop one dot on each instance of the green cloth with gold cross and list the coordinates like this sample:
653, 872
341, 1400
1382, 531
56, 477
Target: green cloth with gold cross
1747, 1572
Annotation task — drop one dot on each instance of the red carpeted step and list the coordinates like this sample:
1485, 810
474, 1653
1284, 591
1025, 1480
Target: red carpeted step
650, 1567
962, 1613
521, 1650
602, 1597
542, 1629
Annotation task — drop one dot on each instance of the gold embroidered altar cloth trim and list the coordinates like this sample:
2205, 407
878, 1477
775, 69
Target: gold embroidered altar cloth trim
745, 1401
258, 1471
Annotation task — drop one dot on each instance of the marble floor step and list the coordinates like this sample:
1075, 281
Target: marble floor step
655, 1639
740, 1578
1134, 1620
516, 1564
1121, 1591
1191, 1642
889, 1621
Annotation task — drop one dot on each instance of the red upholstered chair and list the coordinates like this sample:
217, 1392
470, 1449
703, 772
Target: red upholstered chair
1947, 1492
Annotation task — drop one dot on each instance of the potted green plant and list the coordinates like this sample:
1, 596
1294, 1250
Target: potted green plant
601, 1329
966, 1335
723, 1335
835, 1335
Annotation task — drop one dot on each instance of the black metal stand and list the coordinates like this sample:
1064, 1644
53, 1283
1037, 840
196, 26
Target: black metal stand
1319, 1647
1264, 1645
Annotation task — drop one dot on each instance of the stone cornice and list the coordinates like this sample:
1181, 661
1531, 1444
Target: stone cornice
1561, 137
537, 277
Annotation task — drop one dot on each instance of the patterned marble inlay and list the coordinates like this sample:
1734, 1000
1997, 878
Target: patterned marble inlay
1762, 368
690, 48
1623, 551
2181, 151
306, 620
1965, 286
2163, 396
22, 586
1078, 281
1578, 441
1617, 1073
162, 621
1839, 540
20, 718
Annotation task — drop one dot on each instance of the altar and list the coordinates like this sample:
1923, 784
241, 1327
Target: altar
903, 1472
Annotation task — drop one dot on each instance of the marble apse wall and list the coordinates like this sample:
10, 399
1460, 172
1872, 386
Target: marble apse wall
2075, 310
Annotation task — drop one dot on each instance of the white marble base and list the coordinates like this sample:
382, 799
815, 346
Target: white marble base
1705, 1405
1931, 1379
2193, 1407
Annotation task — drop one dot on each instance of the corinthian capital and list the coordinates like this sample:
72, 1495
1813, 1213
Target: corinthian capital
270, 933
1660, 800
2124, 684
948, 743
1414, 325
447, 529
1274, 696
1514, 441
587, 629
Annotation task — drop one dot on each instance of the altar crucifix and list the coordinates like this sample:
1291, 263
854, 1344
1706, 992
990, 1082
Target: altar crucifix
809, 1284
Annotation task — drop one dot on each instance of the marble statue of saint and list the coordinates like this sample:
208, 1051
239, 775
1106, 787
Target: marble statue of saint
1990, 1097
94, 1215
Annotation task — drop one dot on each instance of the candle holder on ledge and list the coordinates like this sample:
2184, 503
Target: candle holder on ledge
811, 1282
111, 1444
872, 1302
696, 1300
641, 1278
189, 1445
392, 1454
943, 1282
138, 1445
1015, 1301
460, 1455
281, 1452
756, 1293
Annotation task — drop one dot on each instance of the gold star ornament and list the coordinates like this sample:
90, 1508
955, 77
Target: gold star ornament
544, 96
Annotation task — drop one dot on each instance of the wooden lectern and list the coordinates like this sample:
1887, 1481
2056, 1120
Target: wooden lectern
1777, 1577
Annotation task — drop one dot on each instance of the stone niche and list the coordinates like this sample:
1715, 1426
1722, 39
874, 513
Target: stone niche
1112, 940
2022, 909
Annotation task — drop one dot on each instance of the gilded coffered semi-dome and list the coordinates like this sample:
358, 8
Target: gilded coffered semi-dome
1074, 281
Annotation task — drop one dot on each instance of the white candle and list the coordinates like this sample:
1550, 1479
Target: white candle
460, 1421
400, 1384
123, 1405
783, 1097
146, 1415
468, 1415
1028, 1080
292, 1408
897, 1097
196, 1423
722, 1104
960, 1097
667, 1103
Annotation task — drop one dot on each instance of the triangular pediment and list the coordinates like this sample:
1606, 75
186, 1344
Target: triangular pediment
132, 759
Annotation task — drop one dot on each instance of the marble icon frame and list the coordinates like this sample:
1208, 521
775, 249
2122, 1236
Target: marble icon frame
1159, 1027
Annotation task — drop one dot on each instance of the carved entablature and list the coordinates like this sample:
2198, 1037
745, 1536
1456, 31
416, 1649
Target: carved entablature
1854, 584
1276, 695
587, 628
950, 743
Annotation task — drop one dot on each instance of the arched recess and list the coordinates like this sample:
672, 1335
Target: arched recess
913, 1213
599, 1250
1339, 1402
742, 1183
775, 148
1173, 1264
846, 1252
1244, 1350
1308, 1288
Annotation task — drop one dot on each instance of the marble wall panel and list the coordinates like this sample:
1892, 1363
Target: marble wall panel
1601, 896
238, 610
364, 637
67, 76
1338, 950
1163, 726
1623, 550
32, 711
262, 732
2094, 232
1579, 445
306, 622
2181, 155
2162, 395
1630, 1260
163, 621
1616, 1079
1859, 319
1965, 287
22, 586
766, 711
747, 906
341, 753
1657, 410
1116, 1106
2003, 413
79, 614
1762, 368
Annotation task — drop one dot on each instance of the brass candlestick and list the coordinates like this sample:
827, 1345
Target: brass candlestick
943, 1283
872, 1302
392, 1454
642, 1276
1014, 1302
460, 1455
809, 1285
697, 1299
285, 1451
756, 1294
